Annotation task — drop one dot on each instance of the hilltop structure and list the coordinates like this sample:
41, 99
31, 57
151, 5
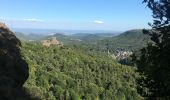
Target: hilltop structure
51, 41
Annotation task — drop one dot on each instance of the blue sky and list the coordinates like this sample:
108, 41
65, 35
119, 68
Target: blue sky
117, 15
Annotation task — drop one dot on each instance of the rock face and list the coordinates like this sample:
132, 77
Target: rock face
52, 41
13, 69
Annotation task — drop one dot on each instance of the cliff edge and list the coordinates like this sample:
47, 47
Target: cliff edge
13, 69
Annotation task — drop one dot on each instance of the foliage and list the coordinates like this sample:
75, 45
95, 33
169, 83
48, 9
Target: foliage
154, 59
72, 73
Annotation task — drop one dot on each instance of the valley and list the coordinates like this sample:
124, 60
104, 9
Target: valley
85, 50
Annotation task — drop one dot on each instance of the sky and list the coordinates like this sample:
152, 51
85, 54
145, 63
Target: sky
116, 15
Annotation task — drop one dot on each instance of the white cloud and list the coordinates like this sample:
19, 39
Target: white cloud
33, 20
98, 22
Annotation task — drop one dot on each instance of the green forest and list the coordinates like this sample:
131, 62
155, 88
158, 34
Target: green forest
75, 74
132, 65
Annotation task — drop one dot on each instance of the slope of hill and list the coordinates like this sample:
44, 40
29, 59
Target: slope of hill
22, 36
86, 36
71, 73
129, 40
133, 39
92, 37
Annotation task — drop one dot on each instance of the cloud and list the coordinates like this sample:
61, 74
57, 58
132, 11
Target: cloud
98, 22
33, 20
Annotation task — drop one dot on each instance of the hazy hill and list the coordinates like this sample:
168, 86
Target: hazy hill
90, 36
21, 36
86, 36
29, 37
129, 40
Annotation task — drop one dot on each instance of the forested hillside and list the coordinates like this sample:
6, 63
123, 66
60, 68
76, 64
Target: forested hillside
86, 37
71, 73
129, 40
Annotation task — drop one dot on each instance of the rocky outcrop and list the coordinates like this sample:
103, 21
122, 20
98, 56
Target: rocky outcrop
51, 41
13, 69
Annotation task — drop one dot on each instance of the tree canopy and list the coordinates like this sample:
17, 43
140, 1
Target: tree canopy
154, 59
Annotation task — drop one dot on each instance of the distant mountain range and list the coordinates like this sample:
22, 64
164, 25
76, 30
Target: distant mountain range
129, 40
66, 38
